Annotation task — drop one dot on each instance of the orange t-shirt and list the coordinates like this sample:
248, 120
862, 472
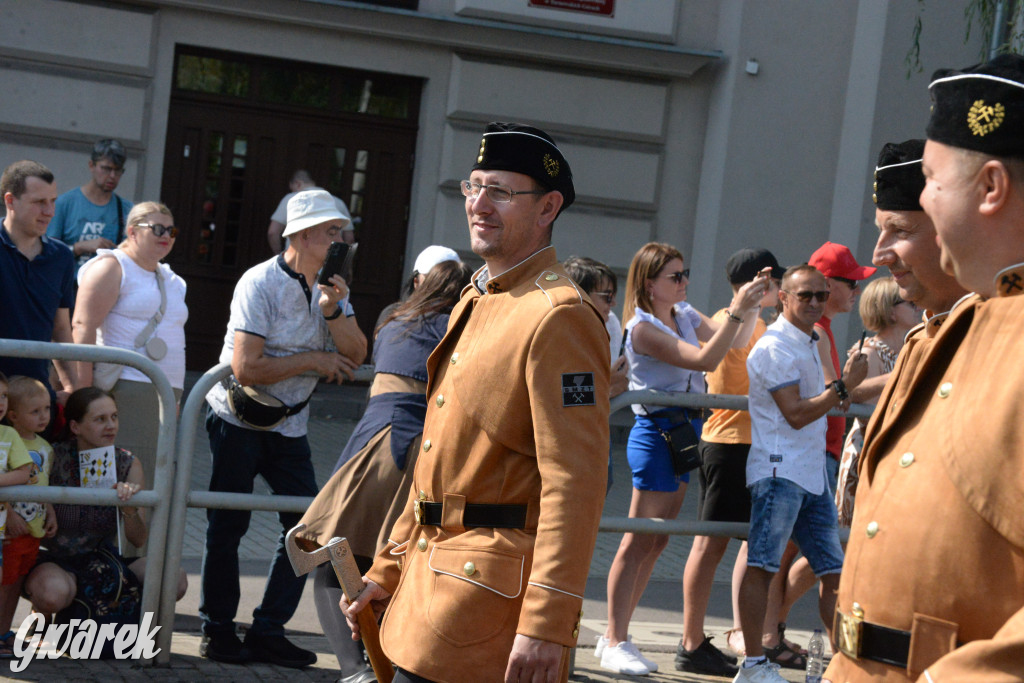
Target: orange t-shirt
730, 377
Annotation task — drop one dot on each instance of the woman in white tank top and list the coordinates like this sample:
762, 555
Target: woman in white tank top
128, 299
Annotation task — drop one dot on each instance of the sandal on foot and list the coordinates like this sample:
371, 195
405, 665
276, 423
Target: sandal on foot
785, 656
739, 651
789, 643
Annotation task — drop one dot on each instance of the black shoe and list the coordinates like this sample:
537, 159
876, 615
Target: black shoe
706, 659
224, 647
278, 650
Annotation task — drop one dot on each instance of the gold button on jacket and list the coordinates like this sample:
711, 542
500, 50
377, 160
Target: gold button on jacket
507, 438
948, 564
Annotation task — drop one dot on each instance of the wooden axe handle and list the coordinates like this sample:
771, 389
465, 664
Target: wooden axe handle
382, 668
352, 585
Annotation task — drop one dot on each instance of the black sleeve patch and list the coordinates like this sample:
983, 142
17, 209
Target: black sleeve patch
578, 389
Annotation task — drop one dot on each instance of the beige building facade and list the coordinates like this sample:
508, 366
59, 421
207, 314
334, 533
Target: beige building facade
712, 125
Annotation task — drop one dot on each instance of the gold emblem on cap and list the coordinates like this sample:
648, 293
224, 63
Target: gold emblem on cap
551, 165
983, 118
483, 149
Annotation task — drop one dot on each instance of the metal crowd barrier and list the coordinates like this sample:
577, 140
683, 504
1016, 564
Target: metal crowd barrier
159, 499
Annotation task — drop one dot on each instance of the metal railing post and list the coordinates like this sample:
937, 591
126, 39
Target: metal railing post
188, 419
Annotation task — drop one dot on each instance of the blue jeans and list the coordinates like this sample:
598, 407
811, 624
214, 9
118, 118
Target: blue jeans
239, 455
781, 509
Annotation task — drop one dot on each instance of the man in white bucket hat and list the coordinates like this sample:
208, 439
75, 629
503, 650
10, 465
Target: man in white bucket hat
282, 326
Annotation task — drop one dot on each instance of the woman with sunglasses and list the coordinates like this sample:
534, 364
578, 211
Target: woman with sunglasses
664, 337
128, 299
883, 311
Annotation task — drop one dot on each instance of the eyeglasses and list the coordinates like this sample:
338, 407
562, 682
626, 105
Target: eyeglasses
107, 169
608, 296
678, 276
806, 295
852, 284
160, 230
496, 193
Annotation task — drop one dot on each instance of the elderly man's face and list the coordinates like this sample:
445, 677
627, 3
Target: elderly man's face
506, 233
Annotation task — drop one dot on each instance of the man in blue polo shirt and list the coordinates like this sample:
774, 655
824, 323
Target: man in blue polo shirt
36, 272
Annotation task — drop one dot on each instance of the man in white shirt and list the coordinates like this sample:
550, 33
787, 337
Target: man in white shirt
786, 466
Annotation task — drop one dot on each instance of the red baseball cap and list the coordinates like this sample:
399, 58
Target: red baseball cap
835, 260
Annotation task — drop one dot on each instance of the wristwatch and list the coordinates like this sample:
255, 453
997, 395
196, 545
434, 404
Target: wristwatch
335, 315
840, 389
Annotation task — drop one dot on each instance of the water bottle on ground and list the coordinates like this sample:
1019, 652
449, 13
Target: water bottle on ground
815, 657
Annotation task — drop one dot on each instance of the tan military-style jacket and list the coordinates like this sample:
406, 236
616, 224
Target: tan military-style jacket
517, 414
937, 539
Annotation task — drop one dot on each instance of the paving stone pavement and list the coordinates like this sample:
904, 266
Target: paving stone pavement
656, 627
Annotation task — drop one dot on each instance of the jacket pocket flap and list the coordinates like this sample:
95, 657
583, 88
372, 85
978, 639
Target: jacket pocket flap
497, 571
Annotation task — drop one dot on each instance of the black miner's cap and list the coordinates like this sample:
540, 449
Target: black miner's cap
980, 108
527, 150
898, 177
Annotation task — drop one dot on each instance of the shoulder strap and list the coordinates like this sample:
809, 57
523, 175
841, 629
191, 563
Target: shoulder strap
120, 219
151, 326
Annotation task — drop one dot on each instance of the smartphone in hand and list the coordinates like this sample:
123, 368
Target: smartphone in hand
337, 262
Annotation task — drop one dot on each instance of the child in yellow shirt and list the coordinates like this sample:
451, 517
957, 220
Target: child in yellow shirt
29, 413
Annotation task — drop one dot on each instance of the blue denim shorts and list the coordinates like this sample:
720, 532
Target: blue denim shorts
648, 455
782, 509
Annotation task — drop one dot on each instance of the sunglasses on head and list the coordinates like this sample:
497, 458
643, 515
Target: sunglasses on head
678, 276
160, 230
806, 295
852, 284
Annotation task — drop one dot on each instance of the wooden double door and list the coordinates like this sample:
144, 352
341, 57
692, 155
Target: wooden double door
226, 168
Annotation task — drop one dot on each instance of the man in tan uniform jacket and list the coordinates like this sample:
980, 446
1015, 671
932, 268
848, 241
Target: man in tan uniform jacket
484, 574
933, 584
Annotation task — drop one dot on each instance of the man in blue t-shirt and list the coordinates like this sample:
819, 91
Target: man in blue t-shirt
92, 217
36, 272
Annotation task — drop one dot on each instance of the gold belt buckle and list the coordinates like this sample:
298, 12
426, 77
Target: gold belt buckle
848, 634
417, 510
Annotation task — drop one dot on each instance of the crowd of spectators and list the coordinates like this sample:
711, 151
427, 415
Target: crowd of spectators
782, 466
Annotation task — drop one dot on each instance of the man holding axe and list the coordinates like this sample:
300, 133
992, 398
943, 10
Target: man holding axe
483, 575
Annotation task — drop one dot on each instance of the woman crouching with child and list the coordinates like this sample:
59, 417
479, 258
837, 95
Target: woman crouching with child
83, 552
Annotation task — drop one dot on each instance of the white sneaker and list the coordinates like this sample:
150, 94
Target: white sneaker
623, 659
765, 672
602, 643
651, 665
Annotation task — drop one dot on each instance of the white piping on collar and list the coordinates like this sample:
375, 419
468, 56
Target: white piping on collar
491, 277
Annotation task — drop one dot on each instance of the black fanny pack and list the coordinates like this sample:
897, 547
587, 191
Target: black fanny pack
257, 408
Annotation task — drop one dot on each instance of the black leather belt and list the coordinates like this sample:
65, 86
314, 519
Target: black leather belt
860, 639
475, 515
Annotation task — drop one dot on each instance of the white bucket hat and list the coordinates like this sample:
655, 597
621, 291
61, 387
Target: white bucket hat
431, 256
312, 207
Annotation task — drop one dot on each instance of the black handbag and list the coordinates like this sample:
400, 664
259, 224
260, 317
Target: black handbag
682, 443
